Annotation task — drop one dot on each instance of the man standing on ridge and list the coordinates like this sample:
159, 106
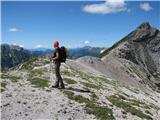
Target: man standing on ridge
57, 60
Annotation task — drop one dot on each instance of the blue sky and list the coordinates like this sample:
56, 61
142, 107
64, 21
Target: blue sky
74, 24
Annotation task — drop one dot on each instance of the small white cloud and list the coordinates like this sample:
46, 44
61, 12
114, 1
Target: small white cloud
146, 7
109, 6
14, 43
38, 46
21, 46
13, 30
86, 42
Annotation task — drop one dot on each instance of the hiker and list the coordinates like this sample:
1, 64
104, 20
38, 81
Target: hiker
57, 60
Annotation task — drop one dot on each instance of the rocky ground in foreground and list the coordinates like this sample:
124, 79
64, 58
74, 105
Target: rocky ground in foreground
26, 95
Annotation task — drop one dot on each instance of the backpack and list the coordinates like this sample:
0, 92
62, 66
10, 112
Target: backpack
63, 54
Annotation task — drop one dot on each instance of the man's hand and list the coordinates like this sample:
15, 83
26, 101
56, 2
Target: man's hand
50, 57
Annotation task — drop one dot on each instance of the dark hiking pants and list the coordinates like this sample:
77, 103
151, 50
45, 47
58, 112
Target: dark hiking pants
59, 79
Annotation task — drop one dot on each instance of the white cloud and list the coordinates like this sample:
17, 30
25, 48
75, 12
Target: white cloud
146, 7
13, 30
109, 6
21, 46
38, 46
86, 42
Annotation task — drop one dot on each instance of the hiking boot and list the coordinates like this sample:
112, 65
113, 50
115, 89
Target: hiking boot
62, 87
55, 86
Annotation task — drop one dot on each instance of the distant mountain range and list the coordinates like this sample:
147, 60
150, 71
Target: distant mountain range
73, 53
39, 49
84, 51
13, 54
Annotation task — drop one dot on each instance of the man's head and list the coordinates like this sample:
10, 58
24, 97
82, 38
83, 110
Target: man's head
56, 44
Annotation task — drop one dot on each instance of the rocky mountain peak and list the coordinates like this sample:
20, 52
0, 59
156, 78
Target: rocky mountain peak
138, 53
144, 32
144, 25
16, 47
12, 55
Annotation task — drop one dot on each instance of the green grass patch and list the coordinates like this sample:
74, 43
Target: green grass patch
81, 74
148, 112
35, 77
4, 76
91, 85
139, 103
121, 103
3, 86
67, 73
94, 96
38, 82
12, 78
125, 94
77, 98
47, 62
105, 80
2, 89
154, 107
84, 75
36, 72
74, 72
101, 112
70, 81
29, 64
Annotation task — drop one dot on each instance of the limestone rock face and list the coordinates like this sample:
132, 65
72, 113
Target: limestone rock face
12, 55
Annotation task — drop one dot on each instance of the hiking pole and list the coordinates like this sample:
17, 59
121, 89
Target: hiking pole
51, 72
